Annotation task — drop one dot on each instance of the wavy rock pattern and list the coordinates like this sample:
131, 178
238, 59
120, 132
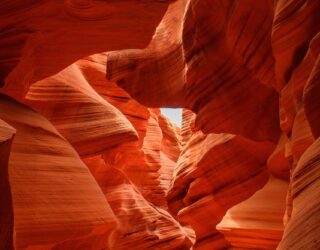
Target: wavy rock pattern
237, 170
6, 210
142, 225
70, 103
96, 72
227, 54
149, 161
161, 63
46, 36
256, 223
235, 58
141, 171
44, 173
305, 194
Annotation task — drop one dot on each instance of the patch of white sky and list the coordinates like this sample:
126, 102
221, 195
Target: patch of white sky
174, 115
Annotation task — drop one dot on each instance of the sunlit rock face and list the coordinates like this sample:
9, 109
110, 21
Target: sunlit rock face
237, 170
55, 199
89, 162
257, 223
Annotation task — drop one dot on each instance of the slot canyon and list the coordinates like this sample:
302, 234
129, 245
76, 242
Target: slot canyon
89, 162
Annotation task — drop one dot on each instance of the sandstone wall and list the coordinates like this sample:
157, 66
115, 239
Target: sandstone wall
88, 161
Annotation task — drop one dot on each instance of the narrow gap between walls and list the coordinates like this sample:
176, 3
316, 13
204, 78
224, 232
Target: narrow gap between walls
173, 114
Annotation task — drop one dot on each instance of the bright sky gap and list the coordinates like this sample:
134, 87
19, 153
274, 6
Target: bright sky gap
174, 115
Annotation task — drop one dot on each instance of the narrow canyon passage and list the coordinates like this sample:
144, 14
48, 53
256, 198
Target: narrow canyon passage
166, 125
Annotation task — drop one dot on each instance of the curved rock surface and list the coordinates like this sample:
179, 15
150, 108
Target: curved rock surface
140, 171
142, 225
150, 159
214, 74
44, 37
74, 108
305, 194
96, 72
215, 172
55, 198
161, 63
6, 210
256, 223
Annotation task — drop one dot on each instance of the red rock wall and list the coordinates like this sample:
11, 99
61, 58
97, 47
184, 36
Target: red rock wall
6, 210
257, 223
154, 155
87, 160
214, 173
54, 197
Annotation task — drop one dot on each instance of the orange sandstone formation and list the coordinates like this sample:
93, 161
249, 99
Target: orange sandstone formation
43, 37
161, 63
87, 160
237, 169
256, 223
74, 108
6, 209
141, 225
303, 229
141, 170
54, 197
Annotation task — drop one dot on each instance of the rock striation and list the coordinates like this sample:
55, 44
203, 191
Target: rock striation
198, 192
89, 162
43, 37
7, 134
55, 199
257, 223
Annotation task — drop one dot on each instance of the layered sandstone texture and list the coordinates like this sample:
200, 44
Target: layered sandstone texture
87, 160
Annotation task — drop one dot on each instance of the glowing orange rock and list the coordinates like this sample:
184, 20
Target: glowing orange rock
229, 66
311, 98
142, 225
149, 161
135, 176
257, 223
303, 229
55, 198
214, 173
214, 64
42, 38
74, 108
279, 161
6, 209
248, 69
161, 64
289, 44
